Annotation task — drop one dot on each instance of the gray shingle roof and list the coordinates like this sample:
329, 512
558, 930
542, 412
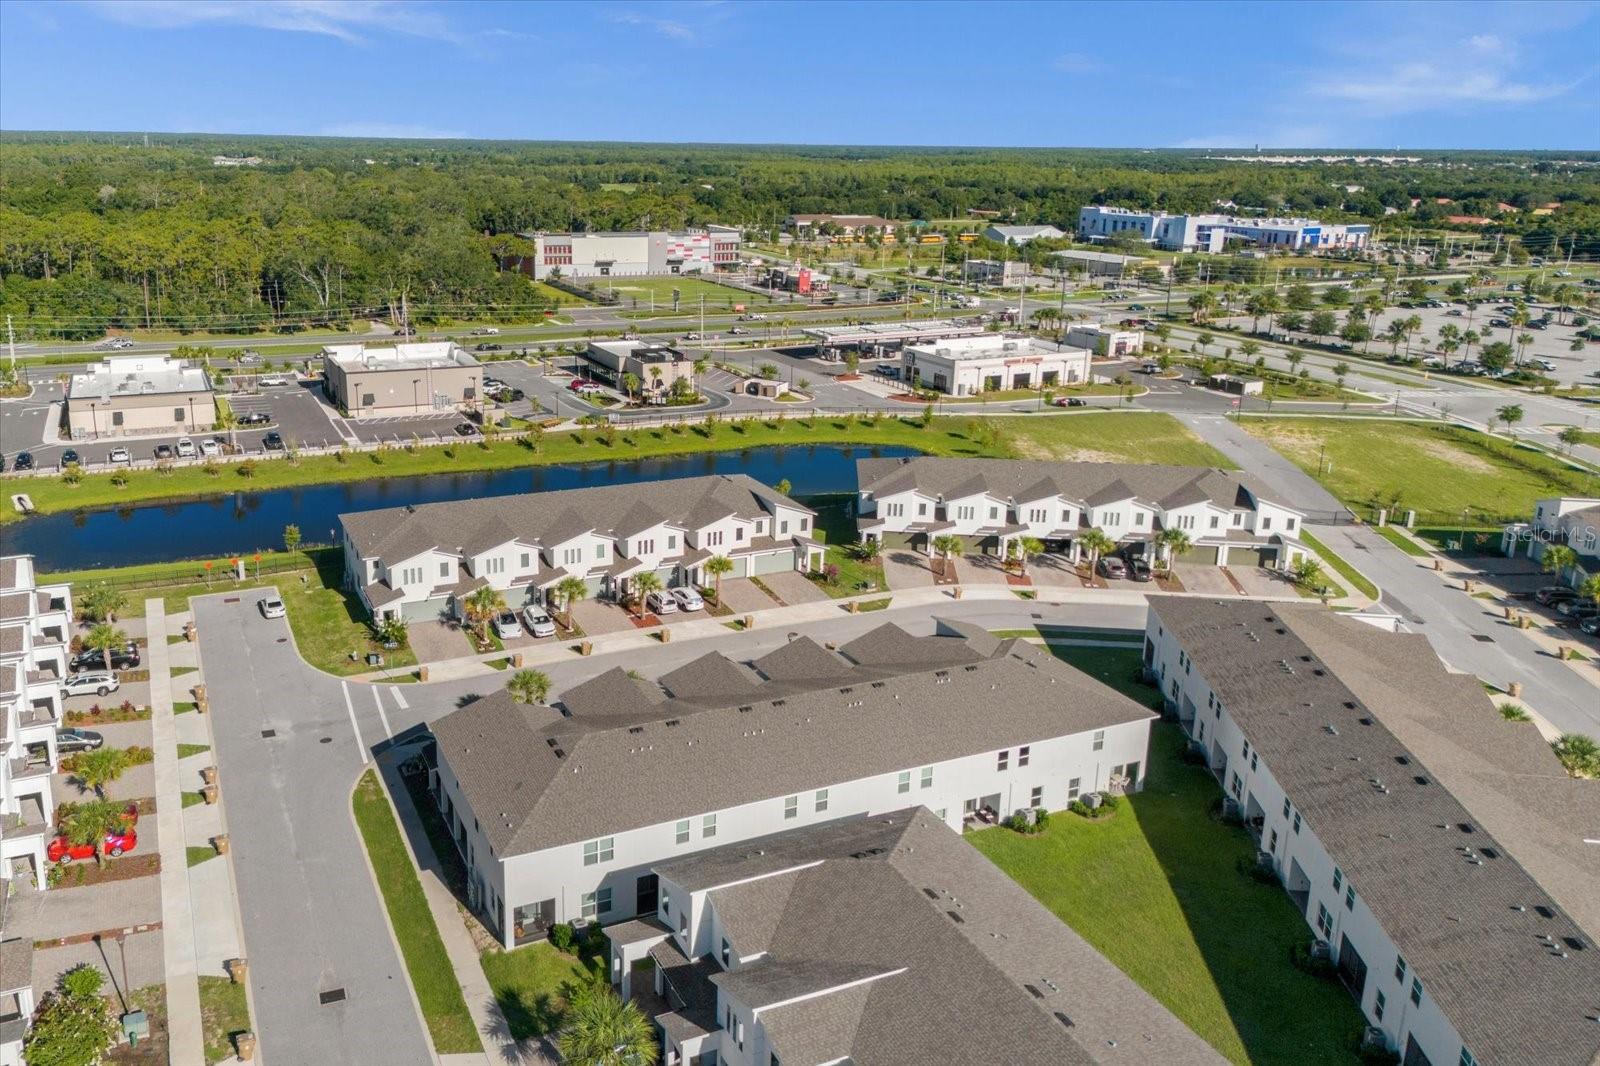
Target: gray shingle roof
870, 900
537, 780
1332, 705
16, 964
1022, 479
549, 518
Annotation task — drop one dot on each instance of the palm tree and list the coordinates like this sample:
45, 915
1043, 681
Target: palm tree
644, 585
1201, 305
1095, 543
1025, 548
716, 566
100, 602
569, 591
1394, 333
1468, 339
482, 604
105, 639
1510, 414
99, 768
1173, 542
529, 686
1556, 558
1590, 587
88, 824
868, 548
1579, 754
601, 1030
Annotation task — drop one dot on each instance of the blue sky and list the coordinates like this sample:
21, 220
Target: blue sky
1288, 75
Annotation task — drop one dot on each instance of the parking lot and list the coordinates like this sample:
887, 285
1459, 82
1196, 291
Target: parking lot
1553, 343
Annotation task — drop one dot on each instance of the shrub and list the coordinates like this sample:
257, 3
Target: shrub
1109, 803
1300, 958
247, 469
561, 936
1579, 754
1513, 713
1081, 809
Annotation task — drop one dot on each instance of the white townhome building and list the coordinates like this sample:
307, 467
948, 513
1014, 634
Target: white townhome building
1437, 850
1573, 521
562, 814
420, 561
991, 502
882, 939
35, 633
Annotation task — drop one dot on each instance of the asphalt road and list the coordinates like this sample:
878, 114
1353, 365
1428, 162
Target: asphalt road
314, 921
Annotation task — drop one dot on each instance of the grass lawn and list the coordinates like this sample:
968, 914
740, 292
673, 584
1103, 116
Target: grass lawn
530, 985
190, 799
432, 976
560, 298
1440, 471
1156, 888
636, 293
224, 1014
1340, 567
186, 750
1471, 541
1400, 540
200, 853
1132, 437
836, 528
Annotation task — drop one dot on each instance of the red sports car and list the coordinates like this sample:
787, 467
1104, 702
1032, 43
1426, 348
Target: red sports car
117, 842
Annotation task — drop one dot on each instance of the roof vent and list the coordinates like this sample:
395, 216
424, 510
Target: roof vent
746, 709
846, 690
930, 893
1332, 732
954, 917
672, 722
1419, 779
969, 669
1544, 912
1349, 705
636, 729
1465, 827
1034, 992
877, 684
1063, 1019
1365, 721
1403, 760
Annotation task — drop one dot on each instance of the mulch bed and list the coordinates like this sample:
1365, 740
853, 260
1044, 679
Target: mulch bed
944, 572
1022, 580
103, 934
1233, 581
644, 622
88, 872
1169, 583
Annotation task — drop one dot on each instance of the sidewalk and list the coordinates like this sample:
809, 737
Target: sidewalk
185, 1043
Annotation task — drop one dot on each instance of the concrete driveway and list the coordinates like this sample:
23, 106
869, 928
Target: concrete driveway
793, 587
980, 570
906, 569
435, 641
1259, 581
741, 596
595, 617
1203, 578
1054, 571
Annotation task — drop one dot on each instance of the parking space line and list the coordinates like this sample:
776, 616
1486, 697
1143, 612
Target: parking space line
361, 745
401, 700
377, 700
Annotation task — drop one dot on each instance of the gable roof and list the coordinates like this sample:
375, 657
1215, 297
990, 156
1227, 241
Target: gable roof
1326, 702
1023, 479
946, 958
537, 779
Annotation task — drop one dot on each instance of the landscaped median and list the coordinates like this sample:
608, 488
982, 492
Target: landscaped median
1340, 566
1132, 436
432, 977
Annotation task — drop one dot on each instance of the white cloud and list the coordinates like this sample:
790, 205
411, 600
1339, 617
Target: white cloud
347, 20
390, 130
1078, 63
1425, 87
676, 31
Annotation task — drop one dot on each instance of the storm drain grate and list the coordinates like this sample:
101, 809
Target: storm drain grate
326, 740
230, 599
283, 640
1483, 638
332, 995
268, 734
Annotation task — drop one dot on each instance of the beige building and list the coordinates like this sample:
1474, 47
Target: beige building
139, 394
1107, 341
657, 366
403, 379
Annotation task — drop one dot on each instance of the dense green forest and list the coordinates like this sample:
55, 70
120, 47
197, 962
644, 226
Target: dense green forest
100, 230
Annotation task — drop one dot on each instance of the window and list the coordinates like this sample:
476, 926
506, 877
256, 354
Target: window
1214, 521
804, 522
492, 565
597, 851
738, 533
1274, 845
596, 903
1288, 523
1286, 808
468, 392
822, 800
600, 550
681, 831
1036, 799
927, 777
727, 952
1350, 897
1138, 519
783, 527
1002, 761
904, 783
1297, 821
1266, 523
1467, 1059
1400, 969
444, 569
994, 513
672, 542
572, 557
116, 416
1324, 921
791, 807
714, 539
1022, 755
1338, 879
1099, 739
666, 904
1236, 784
1416, 991
708, 826
922, 509
524, 562
964, 513
1378, 1004
1073, 786
177, 414
895, 510
1253, 760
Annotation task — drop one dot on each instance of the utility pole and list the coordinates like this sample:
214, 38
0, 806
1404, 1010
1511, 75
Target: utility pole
11, 345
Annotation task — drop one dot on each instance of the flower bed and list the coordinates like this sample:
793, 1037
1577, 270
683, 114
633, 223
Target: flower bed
124, 712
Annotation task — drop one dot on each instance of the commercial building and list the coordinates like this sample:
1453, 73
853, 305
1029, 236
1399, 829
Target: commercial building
799, 279
879, 939
1570, 521
659, 367
1108, 342
420, 562
1436, 850
837, 226
1239, 386
365, 381
967, 366
996, 272
879, 337
1020, 235
130, 395
1229, 517
35, 637
633, 253
1211, 233
563, 815
1102, 264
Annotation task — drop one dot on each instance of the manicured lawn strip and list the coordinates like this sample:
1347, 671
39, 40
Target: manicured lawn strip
200, 853
1157, 890
1400, 540
186, 750
875, 605
224, 1014
432, 976
1134, 437
190, 571
1440, 471
190, 799
179, 671
183, 708
1472, 541
530, 985
1340, 567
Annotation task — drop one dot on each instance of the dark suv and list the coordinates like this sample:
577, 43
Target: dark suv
125, 658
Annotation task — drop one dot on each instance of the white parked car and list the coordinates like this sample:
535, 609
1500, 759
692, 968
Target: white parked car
273, 382
119, 455
486, 331
271, 607
688, 599
210, 448
505, 625
186, 448
100, 684
662, 602
537, 623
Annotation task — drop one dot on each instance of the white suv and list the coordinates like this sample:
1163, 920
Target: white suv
537, 622
185, 448
101, 684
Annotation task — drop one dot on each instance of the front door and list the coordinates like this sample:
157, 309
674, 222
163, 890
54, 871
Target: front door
1352, 968
646, 894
